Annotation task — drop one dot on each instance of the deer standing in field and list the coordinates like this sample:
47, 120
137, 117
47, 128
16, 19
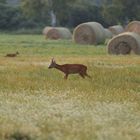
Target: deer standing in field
12, 54
70, 69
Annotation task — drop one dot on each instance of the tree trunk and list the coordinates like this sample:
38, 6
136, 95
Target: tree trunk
53, 18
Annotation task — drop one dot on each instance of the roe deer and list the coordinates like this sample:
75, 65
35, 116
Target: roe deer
12, 54
70, 69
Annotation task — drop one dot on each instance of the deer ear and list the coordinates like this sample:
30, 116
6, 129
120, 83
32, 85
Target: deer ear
53, 60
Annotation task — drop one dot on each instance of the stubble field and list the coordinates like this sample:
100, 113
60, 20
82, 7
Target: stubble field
36, 103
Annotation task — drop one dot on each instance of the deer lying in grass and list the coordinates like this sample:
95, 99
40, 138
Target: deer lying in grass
70, 69
12, 54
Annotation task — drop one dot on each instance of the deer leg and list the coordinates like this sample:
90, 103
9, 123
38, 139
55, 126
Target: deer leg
87, 75
82, 75
66, 76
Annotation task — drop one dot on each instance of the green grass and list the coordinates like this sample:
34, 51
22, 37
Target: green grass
36, 103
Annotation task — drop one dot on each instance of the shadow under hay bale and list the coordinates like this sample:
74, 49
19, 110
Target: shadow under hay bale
124, 43
89, 33
55, 33
133, 26
116, 29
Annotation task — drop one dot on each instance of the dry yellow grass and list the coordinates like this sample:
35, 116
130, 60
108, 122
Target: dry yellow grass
38, 103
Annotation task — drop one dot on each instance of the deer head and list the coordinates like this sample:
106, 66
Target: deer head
52, 64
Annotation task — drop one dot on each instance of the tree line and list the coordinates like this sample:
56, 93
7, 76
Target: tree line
67, 13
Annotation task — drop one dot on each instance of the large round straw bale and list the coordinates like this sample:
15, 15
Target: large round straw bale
57, 33
133, 26
46, 29
116, 29
89, 33
124, 43
108, 34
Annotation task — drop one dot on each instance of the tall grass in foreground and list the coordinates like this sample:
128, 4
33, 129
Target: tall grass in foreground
38, 104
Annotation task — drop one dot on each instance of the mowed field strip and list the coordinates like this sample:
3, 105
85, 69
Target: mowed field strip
36, 103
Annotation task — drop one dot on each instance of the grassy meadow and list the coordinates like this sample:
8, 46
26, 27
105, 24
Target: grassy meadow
36, 103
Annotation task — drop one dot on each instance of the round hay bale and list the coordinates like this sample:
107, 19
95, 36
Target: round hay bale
124, 43
57, 33
106, 41
108, 34
116, 29
46, 29
89, 33
133, 26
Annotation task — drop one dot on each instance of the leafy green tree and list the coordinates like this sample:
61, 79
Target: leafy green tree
131, 9
84, 13
112, 14
12, 18
120, 11
34, 9
51, 10
9, 17
3, 1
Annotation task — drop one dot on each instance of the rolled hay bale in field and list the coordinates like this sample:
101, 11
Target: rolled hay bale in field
57, 33
108, 34
116, 29
124, 43
46, 29
89, 33
106, 41
133, 26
